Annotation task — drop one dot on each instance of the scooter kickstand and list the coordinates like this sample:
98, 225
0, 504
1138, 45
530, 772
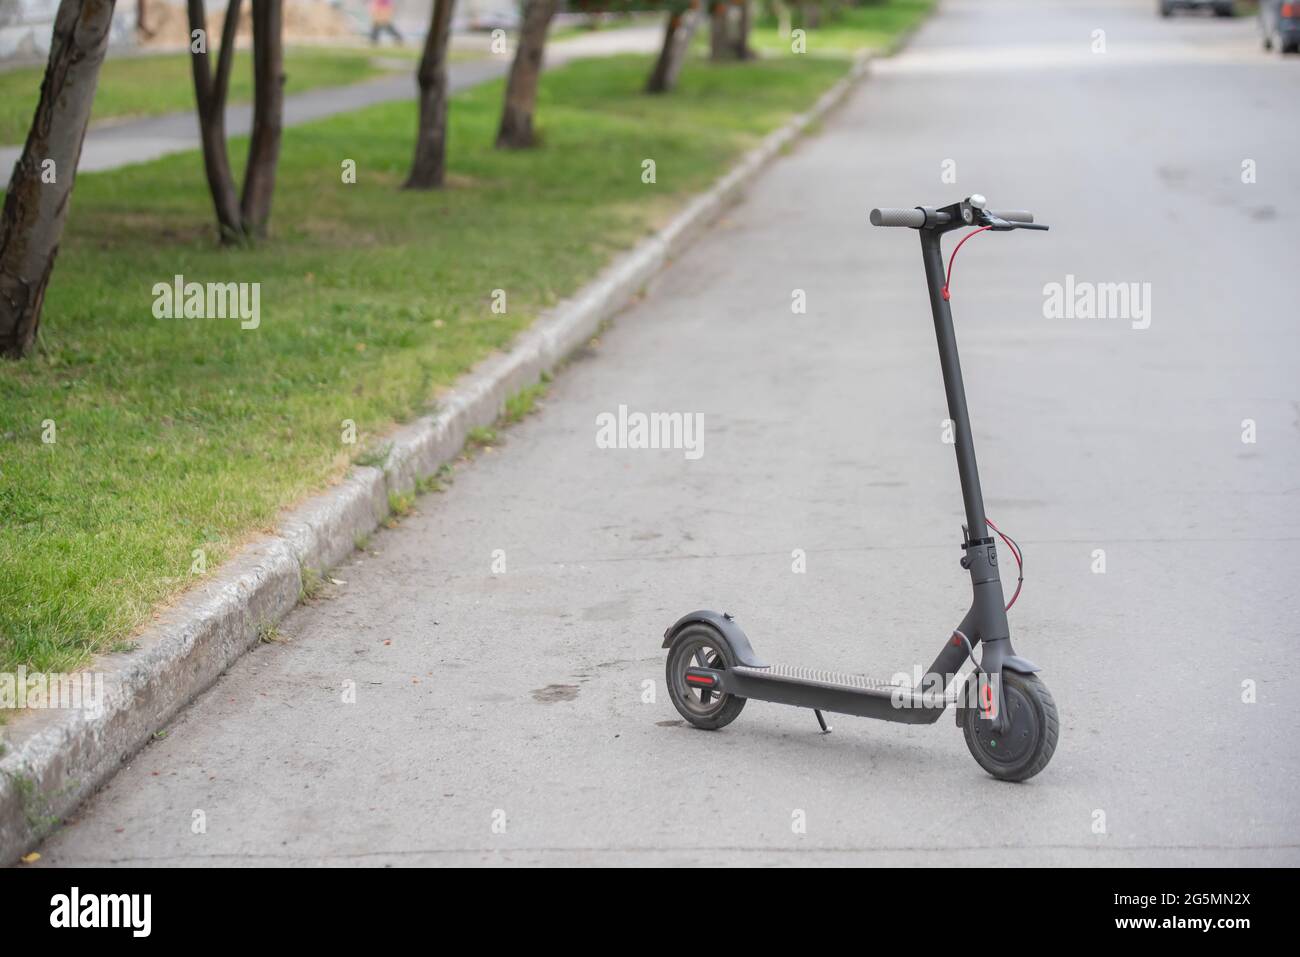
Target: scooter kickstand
826, 728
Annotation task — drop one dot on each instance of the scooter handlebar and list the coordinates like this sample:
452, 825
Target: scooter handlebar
898, 217
970, 211
916, 217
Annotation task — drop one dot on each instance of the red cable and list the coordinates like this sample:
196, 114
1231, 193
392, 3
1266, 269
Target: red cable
948, 278
1020, 562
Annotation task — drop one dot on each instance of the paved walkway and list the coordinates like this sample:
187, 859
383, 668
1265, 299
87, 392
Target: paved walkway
113, 145
519, 698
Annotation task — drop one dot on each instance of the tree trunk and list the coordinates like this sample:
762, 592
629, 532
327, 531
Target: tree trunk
35, 211
210, 96
741, 49
677, 41
783, 24
429, 168
268, 116
516, 131
719, 48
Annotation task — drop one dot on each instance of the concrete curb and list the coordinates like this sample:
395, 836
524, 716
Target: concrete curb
55, 759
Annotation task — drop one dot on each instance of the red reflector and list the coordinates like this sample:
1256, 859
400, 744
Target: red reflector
1289, 9
699, 679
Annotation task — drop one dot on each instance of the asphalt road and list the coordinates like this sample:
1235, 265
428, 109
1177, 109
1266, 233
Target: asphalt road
519, 698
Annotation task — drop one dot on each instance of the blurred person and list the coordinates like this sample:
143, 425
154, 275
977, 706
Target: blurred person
381, 21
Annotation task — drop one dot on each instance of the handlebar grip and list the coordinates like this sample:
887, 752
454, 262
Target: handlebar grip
1015, 215
898, 217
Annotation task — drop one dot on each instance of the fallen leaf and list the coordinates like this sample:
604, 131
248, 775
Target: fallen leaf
31, 858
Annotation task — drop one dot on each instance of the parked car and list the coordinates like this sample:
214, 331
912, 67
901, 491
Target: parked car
1222, 8
1279, 25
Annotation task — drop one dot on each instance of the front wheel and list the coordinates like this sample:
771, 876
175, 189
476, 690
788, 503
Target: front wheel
1028, 743
701, 646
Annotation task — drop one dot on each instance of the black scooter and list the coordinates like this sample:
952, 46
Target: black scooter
1007, 714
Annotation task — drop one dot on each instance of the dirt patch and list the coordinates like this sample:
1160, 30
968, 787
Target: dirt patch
553, 693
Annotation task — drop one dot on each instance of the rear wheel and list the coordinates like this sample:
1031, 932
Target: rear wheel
1028, 743
701, 646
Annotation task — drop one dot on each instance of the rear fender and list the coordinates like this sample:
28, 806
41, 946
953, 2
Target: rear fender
726, 625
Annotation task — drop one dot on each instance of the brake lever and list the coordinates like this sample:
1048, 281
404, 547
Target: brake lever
1005, 225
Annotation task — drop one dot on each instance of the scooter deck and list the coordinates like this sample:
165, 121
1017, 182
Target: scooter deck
837, 692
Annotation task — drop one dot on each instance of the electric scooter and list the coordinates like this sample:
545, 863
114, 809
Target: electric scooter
1006, 713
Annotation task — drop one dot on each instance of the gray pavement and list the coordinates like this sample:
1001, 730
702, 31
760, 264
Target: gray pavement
116, 144
520, 696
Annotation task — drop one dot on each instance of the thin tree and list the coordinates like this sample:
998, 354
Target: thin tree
210, 95
783, 18
740, 47
40, 190
720, 47
248, 216
429, 167
142, 20
678, 31
268, 115
516, 130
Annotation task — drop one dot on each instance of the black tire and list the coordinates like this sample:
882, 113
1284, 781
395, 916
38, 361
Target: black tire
1266, 41
1031, 740
1224, 9
1166, 9
701, 645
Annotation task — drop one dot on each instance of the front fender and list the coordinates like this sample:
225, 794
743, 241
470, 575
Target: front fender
1022, 665
999, 655
726, 625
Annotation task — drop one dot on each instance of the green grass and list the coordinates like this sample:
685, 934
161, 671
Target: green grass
174, 435
873, 26
524, 402
152, 85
